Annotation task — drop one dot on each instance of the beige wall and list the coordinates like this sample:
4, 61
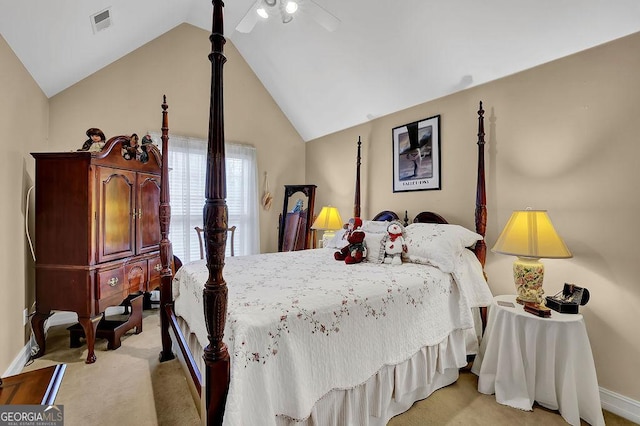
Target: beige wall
125, 98
23, 129
561, 137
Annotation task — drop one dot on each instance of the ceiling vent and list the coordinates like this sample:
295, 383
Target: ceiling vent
101, 20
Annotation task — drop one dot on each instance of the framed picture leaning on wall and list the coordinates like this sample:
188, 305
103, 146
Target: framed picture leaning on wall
416, 155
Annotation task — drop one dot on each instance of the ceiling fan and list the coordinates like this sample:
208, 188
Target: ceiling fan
285, 10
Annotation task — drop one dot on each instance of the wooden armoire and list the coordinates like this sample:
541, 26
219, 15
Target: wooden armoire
97, 233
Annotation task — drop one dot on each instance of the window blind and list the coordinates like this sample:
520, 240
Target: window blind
187, 174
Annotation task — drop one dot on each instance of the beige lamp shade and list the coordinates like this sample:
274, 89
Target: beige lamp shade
529, 233
328, 220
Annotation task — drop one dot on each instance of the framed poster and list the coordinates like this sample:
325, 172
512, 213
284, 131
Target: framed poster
416, 155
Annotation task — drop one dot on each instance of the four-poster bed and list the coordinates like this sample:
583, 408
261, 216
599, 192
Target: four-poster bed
258, 384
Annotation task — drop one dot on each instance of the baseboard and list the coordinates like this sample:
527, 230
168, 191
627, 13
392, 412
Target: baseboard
19, 362
620, 405
64, 317
60, 318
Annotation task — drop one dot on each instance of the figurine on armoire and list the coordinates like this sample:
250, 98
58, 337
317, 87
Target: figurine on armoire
143, 153
130, 149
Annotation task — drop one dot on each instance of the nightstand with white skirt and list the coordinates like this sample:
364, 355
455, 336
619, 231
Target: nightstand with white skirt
524, 358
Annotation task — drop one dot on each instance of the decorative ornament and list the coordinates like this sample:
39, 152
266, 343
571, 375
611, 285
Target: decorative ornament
95, 142
266, 197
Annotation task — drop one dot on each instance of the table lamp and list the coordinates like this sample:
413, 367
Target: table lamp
329, 221
530, 235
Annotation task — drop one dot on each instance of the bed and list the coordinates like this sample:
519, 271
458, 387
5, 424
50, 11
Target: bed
322, 343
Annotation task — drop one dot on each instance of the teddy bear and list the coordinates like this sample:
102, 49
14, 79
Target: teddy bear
394, 244
356, 251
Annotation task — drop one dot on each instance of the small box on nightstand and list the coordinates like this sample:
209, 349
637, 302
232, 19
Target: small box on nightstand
537, 310
569, 299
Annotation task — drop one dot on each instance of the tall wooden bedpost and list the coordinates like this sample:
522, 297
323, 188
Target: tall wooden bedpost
165, 245
216, 355
356, 202
481, 196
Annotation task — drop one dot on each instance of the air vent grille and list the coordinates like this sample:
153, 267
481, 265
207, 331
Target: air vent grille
101, 20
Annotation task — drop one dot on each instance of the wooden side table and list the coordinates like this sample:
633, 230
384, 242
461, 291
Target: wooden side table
32, 387
524, 358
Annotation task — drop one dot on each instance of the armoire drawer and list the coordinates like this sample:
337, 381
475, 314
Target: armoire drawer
136, 273
111, 282
155, 267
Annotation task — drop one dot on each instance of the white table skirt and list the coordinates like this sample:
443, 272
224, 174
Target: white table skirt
524, 358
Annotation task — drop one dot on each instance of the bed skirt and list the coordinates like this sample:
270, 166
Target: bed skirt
389, 392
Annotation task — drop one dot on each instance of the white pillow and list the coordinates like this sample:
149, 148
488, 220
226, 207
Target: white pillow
375, 248
439, 245
374, 226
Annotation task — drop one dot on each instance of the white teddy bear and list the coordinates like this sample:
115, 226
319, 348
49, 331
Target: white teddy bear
394, 244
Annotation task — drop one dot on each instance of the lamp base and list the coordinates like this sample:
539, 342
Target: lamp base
327, 236
528, 274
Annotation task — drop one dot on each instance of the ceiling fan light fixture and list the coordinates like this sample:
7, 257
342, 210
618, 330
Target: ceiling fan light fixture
285, 9
262, 12
291, 7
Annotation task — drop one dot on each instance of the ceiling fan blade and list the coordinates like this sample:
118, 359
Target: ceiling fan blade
249, 20
321, 15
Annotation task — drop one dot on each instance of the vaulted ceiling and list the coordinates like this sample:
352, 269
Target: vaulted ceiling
381, 57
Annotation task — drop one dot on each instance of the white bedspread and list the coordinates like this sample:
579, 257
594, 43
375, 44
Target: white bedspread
300, 323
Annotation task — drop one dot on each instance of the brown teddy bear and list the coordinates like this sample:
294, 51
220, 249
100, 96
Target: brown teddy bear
356, 251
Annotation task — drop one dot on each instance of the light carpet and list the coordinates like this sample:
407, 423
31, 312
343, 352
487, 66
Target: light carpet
129, 386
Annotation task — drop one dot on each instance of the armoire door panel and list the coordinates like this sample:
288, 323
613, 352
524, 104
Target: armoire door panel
116, 204
148, 221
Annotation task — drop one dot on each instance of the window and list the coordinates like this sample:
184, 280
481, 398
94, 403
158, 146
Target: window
187, 164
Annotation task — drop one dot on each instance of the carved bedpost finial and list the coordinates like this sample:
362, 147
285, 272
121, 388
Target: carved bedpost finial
481, 124
356, 202
166, 253
215, 215
481, 197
